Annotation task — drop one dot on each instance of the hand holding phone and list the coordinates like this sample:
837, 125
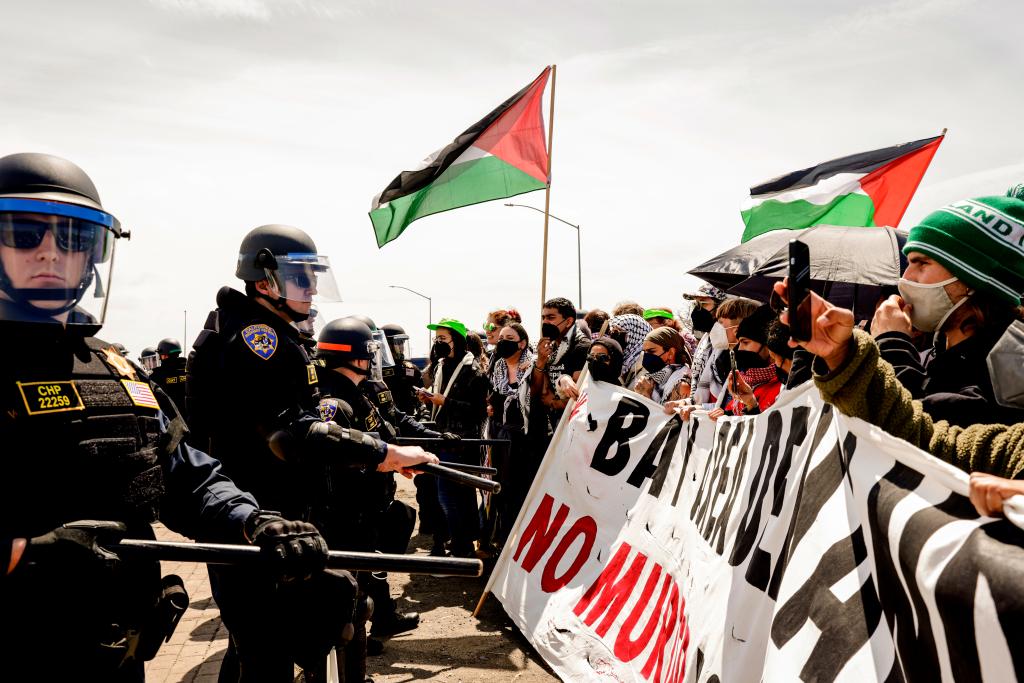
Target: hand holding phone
799, 291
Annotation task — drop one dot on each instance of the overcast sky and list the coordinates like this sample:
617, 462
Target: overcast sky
201, 119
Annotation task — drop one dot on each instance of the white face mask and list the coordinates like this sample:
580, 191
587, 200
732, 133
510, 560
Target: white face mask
719, 338
930, 305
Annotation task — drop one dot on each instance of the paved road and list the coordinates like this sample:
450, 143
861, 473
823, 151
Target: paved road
449, 645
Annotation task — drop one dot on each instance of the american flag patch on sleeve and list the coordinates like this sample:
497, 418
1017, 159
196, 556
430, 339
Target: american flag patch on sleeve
140, 394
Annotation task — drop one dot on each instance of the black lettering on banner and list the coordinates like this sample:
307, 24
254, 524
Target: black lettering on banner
704, 492
914, 640
717, 525
694, 426
804, 515
628, 420
845, 625
993, 551
746, 534
664, 442
759, 570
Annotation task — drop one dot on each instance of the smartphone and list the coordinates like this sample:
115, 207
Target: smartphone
799, 291
734, 370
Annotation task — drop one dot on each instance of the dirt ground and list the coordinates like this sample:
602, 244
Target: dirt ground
450, 644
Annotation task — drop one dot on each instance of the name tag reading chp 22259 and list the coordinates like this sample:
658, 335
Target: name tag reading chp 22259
50, 397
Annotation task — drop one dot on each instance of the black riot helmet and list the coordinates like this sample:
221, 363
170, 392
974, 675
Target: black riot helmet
149, 359
345, 340
392, 330
387, 360
56, 240
398, 341
286, 257
168, 348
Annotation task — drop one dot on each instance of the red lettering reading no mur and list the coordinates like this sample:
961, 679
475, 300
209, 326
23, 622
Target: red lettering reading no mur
605, 600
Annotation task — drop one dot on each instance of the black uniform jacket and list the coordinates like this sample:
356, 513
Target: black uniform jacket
253, 397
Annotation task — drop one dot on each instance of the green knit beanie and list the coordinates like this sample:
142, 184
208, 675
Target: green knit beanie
981, 241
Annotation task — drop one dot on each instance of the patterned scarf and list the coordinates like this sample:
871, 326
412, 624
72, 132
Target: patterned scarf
755, 377
636, 329
499, 378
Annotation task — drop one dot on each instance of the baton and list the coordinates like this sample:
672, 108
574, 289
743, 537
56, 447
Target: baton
222, 553
472, 469
458, 477
451, 443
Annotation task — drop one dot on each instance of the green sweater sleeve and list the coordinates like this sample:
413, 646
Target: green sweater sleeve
865, 386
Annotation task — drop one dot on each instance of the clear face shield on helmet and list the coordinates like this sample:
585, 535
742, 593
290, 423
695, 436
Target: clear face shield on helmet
149, 363
304, 278
399, 346
376, 361
56, 261
387, 359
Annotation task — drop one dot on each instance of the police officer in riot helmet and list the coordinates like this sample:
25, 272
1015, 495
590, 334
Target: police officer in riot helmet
253, 399
86, 437
149, 360
170, 374
403, 378
350, 353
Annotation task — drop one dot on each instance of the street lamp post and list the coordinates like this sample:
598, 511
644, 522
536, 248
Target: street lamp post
579, 257
430, 308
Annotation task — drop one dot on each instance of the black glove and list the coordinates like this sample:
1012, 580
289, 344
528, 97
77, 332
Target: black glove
450, 436
295, 550
77, 544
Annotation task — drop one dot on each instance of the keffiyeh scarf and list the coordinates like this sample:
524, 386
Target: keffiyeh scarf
636, 329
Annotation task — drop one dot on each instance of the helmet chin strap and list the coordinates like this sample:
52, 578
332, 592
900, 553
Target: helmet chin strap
281, 304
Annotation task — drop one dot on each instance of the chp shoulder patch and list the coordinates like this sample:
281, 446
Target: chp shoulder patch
141, 394
328, 409
261, 340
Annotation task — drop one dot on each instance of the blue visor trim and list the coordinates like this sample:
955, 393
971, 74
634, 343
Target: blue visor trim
21, 205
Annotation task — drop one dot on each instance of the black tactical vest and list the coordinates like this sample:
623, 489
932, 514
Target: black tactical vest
81, 438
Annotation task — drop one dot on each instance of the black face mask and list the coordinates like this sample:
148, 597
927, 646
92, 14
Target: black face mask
702, 319
550, 331
506, 348
782, 375
652, 363
601, 370
747, 360
441, 349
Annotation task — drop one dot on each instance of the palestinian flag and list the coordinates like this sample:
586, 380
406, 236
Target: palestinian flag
501, 155
867, 189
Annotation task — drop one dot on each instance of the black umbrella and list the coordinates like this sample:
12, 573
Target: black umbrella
850, 266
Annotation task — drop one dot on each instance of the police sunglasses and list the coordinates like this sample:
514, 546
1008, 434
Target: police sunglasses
20, 231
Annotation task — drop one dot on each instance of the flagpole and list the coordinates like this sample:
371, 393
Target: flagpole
547, 193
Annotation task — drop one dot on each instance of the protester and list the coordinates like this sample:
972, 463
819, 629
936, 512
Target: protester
710, 384
781, 353
596, 319
851, 375
509, 404
757, 385
475, 345
705, 300
629, 330
458, 401
561, 352
666, 363
628, 308
963, 282
604, 362
497, 319
661, 317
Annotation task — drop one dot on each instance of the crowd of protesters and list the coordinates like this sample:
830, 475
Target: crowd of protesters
920, 367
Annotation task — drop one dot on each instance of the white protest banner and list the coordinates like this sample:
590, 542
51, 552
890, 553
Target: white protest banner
796, 545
